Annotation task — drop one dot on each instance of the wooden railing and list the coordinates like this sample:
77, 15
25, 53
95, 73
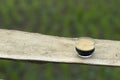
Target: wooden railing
19, 45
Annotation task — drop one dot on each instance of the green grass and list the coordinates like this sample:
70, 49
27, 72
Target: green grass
69, 18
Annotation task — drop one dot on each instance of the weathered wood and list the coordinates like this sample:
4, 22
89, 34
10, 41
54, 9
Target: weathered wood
19, 45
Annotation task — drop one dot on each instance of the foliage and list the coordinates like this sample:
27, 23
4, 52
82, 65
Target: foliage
70, 18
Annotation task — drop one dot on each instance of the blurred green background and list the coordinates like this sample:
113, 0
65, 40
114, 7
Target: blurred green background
69, 18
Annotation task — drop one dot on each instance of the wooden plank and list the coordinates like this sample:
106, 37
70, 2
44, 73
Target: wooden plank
19, 45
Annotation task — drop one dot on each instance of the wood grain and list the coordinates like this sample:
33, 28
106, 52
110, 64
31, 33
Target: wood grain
19, 45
